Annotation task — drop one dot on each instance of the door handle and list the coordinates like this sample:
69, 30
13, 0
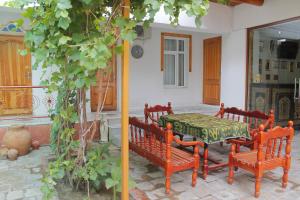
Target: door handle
297, 89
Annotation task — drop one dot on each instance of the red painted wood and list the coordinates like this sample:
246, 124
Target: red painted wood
152, 114
155, 144
264, 157
253, 118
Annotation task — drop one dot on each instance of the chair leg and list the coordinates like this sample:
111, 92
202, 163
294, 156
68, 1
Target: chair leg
257, 186
168, 182
237, 150
285, 178
194, 177
230, 174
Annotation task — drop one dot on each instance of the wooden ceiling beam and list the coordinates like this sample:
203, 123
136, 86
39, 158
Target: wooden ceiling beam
237, 2
253, 2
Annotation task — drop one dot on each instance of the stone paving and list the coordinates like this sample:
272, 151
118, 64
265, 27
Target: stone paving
150, 180
21, 180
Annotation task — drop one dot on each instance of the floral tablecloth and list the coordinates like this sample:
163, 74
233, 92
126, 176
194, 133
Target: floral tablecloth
208, 129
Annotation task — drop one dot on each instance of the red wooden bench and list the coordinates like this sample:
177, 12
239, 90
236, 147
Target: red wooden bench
155, 144
253, 118
153, 113
267, 156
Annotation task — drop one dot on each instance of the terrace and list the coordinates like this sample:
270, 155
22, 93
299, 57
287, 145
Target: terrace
231, 58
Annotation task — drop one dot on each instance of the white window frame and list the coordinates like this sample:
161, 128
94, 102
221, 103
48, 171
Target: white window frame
176, 54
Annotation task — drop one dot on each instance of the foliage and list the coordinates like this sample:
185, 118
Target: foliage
75, 39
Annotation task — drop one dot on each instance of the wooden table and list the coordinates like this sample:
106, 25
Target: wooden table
208, 129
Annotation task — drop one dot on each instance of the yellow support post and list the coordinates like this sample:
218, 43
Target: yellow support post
124, 114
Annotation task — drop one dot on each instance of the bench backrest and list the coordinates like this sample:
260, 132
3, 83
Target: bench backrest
150, 137
253, 118
152, 114
272, 142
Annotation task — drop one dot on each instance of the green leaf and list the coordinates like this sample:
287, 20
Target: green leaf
23, 52
77, 37
63, 40
109, 183
61, 13
64, 23
64, 4
128, 35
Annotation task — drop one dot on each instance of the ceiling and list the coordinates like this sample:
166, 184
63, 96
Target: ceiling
288, 30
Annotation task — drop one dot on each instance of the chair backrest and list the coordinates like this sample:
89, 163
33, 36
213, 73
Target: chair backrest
150, 137
253, 118
153, 113
272, 142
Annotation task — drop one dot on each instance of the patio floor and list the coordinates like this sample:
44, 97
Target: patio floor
150, 180
21, 180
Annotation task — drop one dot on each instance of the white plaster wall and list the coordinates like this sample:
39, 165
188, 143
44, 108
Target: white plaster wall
218, 20
146, 79
9, 14
245, 15
233, 70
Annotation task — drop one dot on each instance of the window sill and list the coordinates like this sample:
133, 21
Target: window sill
174, 87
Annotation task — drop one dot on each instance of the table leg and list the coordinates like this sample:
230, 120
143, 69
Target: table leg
205, 162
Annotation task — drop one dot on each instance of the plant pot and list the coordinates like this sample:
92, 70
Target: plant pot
35, 144
12, 154
19, 138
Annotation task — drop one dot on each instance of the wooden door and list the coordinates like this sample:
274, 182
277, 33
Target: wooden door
108, 90
15, 70
212, 70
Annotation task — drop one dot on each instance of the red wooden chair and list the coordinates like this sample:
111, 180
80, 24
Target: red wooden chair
155, 144
268, 156
152, 115
253, 118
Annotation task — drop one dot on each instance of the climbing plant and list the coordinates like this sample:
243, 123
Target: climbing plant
74, 39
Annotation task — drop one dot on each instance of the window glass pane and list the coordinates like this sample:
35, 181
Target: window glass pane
181, 45
181, 70
170, 45
169, 71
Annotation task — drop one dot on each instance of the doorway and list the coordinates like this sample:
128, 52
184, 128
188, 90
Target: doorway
212, 70
15, 70
274, 71
107, 79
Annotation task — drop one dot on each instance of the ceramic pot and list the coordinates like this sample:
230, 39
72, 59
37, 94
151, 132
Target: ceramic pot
35, 144
3, 153
12, 154
19, 138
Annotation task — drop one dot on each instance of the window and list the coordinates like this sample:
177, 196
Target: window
176, 59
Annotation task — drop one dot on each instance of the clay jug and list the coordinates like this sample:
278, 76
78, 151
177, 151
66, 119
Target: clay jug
19, 138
